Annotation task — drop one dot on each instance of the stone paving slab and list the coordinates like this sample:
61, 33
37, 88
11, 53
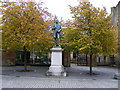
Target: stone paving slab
77, 78
33, 82
75, 72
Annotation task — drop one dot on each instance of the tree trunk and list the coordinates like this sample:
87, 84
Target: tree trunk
112, 60
33, 57
86, 60
25, 61
104, 59
91, 64
99, 59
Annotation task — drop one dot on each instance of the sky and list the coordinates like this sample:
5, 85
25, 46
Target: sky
60, 8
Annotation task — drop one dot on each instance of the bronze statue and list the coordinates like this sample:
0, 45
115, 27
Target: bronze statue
56, 32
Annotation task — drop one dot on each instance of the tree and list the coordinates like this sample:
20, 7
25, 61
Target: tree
24, 27
90, 32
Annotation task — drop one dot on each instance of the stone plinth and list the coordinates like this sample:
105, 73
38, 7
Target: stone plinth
56, 68
117, 76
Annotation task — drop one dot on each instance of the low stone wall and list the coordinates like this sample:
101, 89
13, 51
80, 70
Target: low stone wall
8, 58
0, 58
117, 59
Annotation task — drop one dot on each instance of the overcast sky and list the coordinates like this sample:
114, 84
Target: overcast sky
60, 8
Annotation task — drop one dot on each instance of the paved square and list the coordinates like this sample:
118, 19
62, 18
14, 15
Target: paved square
77, 78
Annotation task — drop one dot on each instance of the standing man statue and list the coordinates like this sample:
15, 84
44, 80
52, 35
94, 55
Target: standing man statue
56, 32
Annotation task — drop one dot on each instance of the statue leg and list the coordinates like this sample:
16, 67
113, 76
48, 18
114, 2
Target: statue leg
55, 41
58, 36
58, 42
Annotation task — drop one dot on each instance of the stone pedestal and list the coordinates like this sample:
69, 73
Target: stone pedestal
117, 76
56, 68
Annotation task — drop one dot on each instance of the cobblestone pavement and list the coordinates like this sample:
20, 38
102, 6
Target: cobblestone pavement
77, 78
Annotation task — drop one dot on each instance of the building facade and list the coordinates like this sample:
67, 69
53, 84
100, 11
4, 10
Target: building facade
115, 18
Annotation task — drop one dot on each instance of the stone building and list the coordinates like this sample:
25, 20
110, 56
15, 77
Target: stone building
115, 18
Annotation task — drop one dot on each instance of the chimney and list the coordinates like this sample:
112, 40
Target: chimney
84, 1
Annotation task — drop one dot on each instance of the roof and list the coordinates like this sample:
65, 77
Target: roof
118, 4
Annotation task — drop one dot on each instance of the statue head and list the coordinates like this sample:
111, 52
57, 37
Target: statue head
56, 21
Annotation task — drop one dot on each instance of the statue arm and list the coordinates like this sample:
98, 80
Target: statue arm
53, 27
60, 29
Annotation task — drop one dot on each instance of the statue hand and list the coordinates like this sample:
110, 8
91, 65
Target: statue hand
59, 30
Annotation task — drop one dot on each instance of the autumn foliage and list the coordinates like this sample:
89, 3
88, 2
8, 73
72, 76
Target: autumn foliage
25, 24
90, 31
